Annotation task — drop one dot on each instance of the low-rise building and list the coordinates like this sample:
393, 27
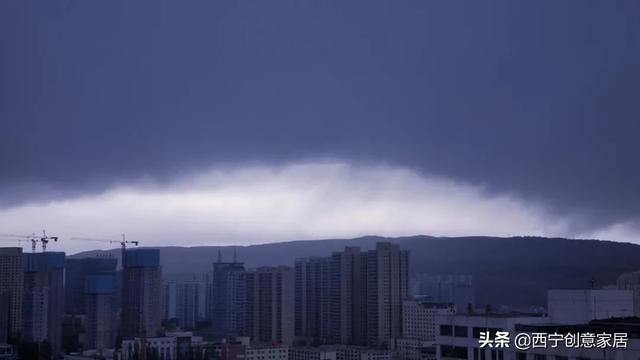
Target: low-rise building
628, 326
459, 335
582, 306
266, 353
419, 328
339, 352
631, 281
172, 346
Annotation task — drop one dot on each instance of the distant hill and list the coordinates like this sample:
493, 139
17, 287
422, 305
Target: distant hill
507, 271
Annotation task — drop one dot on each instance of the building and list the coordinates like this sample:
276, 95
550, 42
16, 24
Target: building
582, 306
270, 305
455, 289
76, 270
100, 312
8, 352
169, 294
631, 281
313, 299
228, 349
387, 276
419, 328
265, 353
351, 297
458, 335
339, 352
172, 346
629, 326
141, 294
11, 285
187, 302
43, 298
227, 299
348, 297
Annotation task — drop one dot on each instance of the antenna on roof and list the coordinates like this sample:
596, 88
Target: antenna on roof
235, 256
219, 256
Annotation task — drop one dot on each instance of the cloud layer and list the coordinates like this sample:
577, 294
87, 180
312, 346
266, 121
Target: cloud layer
254, 204
536, 100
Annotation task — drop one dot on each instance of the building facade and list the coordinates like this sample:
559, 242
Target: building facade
631, 281
387, 287
11, 285
352, 297
270, 305
172, 346
142, 307
313, 287
100, 312
43, 298
582, 306
76, 270
458, 335
187, 301
227, 299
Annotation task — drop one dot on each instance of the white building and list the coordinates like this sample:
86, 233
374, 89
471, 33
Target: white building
266, 353
582, 306
631, 281
419, 328
630, 326
167, 347
339, 352
458, 335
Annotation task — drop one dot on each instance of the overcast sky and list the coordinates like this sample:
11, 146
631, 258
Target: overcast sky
236, 122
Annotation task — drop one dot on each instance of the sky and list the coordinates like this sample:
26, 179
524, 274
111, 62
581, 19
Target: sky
240, 122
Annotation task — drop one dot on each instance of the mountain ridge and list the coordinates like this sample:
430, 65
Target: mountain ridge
513, 271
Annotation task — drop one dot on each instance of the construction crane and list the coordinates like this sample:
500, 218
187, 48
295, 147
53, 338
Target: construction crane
123, 243
33, 238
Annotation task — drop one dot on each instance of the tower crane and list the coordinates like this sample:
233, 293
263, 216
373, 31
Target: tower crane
123, 243
33, 238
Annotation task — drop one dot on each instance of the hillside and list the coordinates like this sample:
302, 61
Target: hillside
514, 271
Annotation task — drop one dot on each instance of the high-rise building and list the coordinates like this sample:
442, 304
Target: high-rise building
270, 305
187, 299
339, 298
11, 284
348, 296
142, 308
227, 299
169, 294
330, 298
75, 273
100, 312
43, 299
313, 299
387, 273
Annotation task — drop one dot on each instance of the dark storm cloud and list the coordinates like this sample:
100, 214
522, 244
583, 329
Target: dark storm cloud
536, 98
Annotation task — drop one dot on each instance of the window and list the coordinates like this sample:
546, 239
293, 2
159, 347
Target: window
560, 357
460, 331
456, 352
521, 356
446, 330
539, 357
